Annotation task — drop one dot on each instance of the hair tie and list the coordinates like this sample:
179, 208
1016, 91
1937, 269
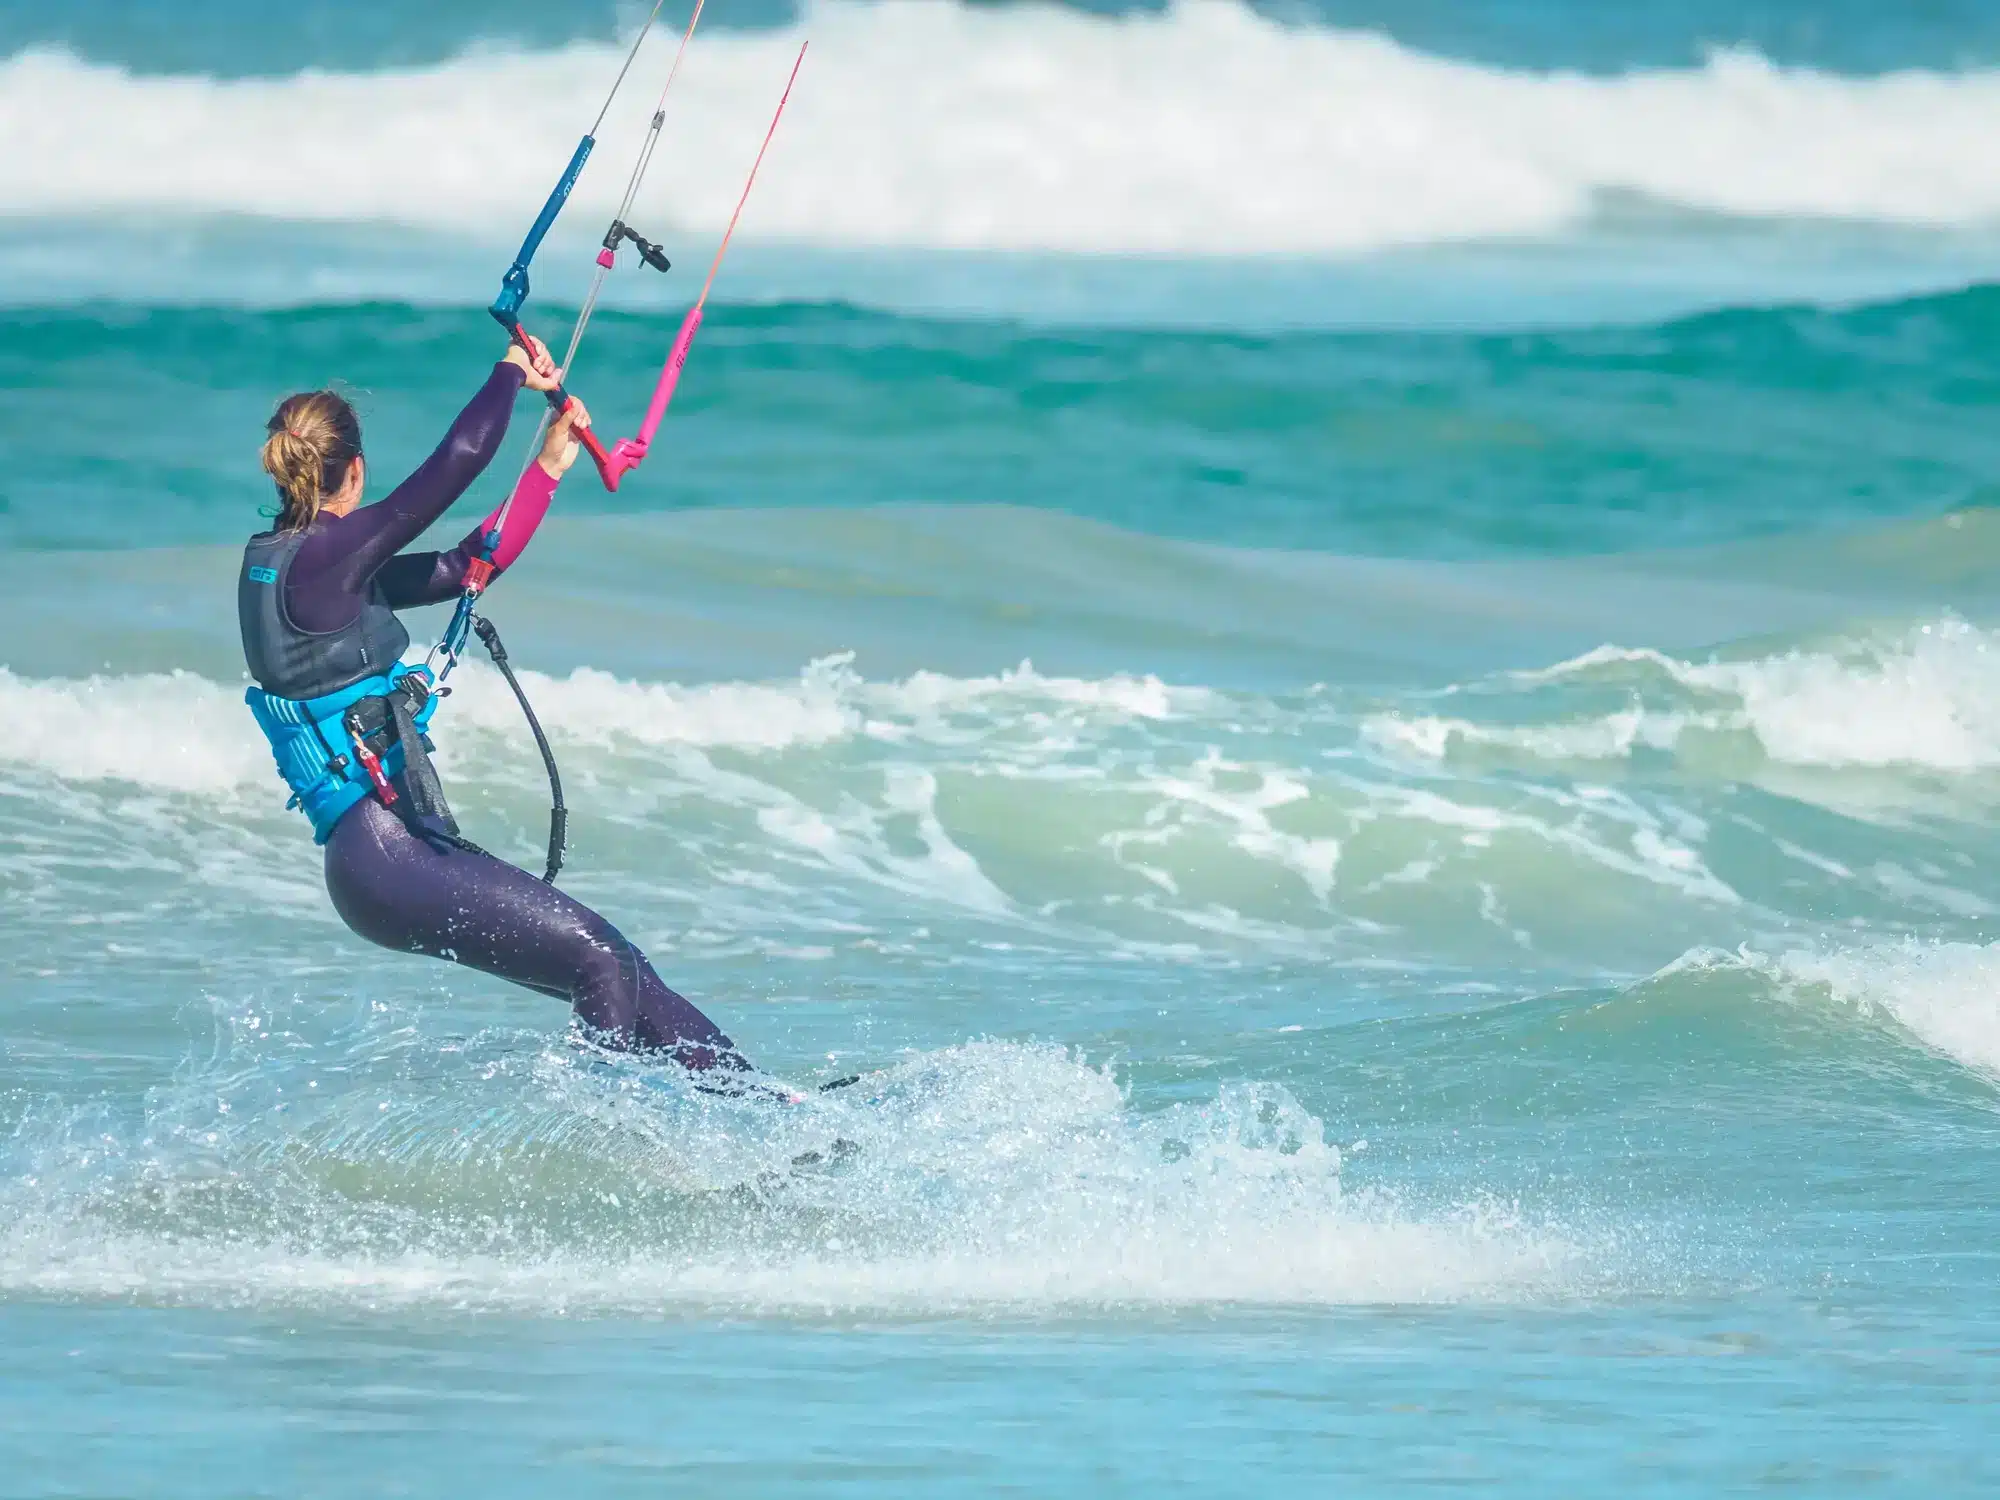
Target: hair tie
296, 433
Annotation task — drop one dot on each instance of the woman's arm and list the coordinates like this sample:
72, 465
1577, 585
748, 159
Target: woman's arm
432, 577
348, 549
329, 577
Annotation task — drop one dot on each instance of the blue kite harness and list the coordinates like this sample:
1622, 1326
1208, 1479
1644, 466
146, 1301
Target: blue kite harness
322, 752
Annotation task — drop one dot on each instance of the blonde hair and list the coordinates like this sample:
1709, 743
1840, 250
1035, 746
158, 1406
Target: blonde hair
314, 439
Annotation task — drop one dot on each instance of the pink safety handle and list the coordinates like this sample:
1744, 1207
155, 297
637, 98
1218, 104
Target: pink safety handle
627, 454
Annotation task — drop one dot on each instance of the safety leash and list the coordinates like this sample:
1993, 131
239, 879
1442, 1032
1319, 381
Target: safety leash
558, 812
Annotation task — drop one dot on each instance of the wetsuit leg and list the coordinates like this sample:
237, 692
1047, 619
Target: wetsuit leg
398, 890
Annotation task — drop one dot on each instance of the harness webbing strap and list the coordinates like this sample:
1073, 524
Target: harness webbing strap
426, 798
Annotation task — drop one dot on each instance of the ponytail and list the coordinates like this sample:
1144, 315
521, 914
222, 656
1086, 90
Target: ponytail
314, 439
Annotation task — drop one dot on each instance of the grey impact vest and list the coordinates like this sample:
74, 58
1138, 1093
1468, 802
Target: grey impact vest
289, 662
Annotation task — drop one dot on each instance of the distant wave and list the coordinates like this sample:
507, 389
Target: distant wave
1923, 698
1204, 130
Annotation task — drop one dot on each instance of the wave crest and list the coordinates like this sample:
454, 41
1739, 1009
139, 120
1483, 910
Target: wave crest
1944, 995
1926, 698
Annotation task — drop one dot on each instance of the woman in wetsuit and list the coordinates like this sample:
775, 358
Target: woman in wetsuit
317, 599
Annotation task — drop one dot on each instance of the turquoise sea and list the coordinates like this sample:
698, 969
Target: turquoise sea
1351, 651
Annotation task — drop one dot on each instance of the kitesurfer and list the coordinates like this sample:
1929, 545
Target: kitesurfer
346, 718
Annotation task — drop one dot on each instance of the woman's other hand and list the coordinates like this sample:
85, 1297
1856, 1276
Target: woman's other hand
560, 446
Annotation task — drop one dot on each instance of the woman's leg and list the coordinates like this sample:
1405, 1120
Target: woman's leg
402, 892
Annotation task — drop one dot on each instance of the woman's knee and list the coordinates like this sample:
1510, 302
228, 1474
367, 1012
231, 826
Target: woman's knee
607, 979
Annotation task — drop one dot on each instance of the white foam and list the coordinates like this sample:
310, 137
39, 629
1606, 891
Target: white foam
1611, 737
1926, 697
1946, 994
830, 701
1354, 1262
172, 731
1598, 826
1240, 798
1206, 129
989, 1175
861, 841
185, 733
1930, 697
1122, 695
588, 706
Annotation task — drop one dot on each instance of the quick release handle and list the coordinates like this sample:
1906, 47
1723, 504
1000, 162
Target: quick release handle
652, 254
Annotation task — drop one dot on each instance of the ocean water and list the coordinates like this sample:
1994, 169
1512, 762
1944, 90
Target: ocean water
1350, 651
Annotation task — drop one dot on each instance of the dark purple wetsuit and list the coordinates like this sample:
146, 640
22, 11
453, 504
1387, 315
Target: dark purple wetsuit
402, 890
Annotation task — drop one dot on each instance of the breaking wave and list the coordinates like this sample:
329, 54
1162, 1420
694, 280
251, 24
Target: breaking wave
1925, 697
1945, 996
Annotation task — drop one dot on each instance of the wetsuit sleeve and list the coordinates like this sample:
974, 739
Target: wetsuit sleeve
331, 573
433, 577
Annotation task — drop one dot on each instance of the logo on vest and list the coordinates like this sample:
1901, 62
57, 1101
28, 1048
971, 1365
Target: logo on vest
263, 575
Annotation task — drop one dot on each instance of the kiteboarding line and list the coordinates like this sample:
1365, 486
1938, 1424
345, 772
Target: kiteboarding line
514, 287
506, 307
607, 257
628, 453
